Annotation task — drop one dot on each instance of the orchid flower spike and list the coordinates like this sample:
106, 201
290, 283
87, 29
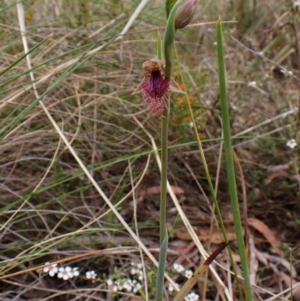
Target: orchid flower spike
155, 89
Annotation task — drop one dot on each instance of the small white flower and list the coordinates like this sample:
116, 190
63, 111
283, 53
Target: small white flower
141, 276
137, 265
296, 4
171, 287
282, 70
67, 273
260, 53
92, 275
119, 285
215, 43
190, 124
75, 272
53, 272
252, 84
137, 286
50, 269
188, 273
137, 272
291, 143
286, 72
193, 296
178, 267
127, 285
109, 282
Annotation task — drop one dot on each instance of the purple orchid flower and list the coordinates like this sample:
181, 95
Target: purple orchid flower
155, 89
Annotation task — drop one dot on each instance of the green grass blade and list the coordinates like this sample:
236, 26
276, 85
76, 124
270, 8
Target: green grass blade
5, 130
230, 163
169, 5
20, 59
159, 47
161, 269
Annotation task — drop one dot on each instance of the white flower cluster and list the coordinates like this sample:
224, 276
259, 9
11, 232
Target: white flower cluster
125, 284
252, 84
64, 273
188, 274
291, 143
128, 285
137, 270
67, 272
50, 269
119, 285
192, 296
179, 269
171, 287
296, 4
90, 275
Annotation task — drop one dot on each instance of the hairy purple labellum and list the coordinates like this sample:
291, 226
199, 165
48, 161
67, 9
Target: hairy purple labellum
155, 89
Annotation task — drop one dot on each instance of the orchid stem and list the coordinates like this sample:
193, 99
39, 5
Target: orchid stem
164, 159
164, 170
166, 51
168, 43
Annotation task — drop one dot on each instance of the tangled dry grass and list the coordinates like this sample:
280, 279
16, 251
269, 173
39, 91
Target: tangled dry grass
79, 90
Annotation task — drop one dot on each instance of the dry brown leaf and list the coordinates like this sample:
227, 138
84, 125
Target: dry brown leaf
205, 234
266, 232
296, 293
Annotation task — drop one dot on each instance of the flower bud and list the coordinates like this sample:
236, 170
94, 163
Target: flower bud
185, 13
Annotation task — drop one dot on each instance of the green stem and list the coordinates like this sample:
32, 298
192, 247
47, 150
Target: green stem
164, 170
163, 235
164, 160
230, 163
169, 38
168, 42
